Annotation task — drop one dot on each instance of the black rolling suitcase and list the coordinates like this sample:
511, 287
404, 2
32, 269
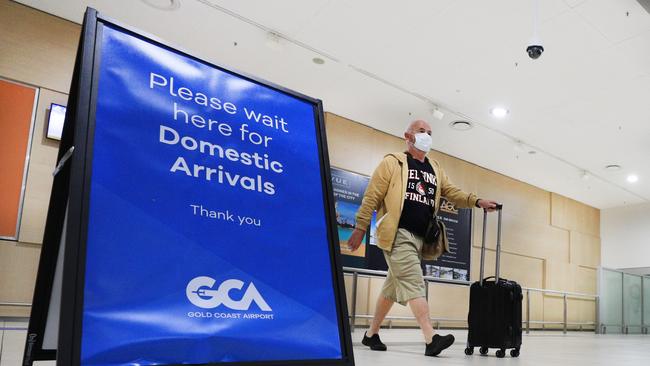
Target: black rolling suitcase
494, 308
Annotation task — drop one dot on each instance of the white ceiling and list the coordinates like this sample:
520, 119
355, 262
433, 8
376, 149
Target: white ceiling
584, 104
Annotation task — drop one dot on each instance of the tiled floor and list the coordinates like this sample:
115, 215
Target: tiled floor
405, 348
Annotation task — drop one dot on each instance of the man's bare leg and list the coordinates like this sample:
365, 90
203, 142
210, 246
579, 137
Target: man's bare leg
420, 309
434, 343
382, 308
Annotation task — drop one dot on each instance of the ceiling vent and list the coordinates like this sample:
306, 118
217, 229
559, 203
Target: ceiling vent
461, 125
613, 167
163, 4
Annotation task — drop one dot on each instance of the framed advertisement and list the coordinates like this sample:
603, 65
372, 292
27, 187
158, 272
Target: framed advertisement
453, 267
349, 188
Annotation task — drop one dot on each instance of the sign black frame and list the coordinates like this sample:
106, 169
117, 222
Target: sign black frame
71, 191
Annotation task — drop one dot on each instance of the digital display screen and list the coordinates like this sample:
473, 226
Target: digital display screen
55, 122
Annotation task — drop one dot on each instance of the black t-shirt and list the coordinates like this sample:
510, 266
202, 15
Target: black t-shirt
419, 201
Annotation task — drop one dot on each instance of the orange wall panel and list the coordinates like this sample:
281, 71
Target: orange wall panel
16, 109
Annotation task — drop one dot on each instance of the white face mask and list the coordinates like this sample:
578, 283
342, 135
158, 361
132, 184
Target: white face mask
422, 142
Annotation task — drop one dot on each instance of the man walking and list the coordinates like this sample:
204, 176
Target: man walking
405, 189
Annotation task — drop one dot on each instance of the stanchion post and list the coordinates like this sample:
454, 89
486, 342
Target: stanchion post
597, 320
643, 327
527, 311
565, 313
623, 326
355, 281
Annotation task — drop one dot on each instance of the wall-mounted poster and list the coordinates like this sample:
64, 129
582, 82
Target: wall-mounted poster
454, 265
348, 193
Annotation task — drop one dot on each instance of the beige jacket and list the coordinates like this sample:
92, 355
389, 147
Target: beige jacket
386, 192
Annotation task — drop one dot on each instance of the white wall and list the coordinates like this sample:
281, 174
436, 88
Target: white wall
625, 236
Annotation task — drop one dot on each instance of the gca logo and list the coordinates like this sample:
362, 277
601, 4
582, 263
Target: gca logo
200, 291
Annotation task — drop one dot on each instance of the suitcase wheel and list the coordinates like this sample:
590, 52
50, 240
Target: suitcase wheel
484, 350
514, 352
501, 353
469, 351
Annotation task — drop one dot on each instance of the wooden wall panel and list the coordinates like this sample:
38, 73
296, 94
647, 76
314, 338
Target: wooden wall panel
355, 147
553, 311
37, 48
523, 237
518, 198
39, 179
560, 216
536, 308
461, 173
585, 249
560, 275
582, 310
18, 266
449, 301
347, 281
586, 280
588, 218
527, 271
572, 215
578, 311
570, 277
363, 287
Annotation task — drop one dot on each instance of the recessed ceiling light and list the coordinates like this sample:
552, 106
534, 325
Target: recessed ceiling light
461, 125
318, 60
163, 4
632, 178
499, 112
613, 167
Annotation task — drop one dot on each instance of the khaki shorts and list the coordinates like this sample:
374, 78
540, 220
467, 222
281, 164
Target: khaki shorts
404, 281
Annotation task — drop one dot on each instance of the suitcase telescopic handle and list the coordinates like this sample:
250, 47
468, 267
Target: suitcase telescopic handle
499, 208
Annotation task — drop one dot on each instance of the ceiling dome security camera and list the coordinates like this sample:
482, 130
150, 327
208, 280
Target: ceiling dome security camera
535, 51
535, 48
